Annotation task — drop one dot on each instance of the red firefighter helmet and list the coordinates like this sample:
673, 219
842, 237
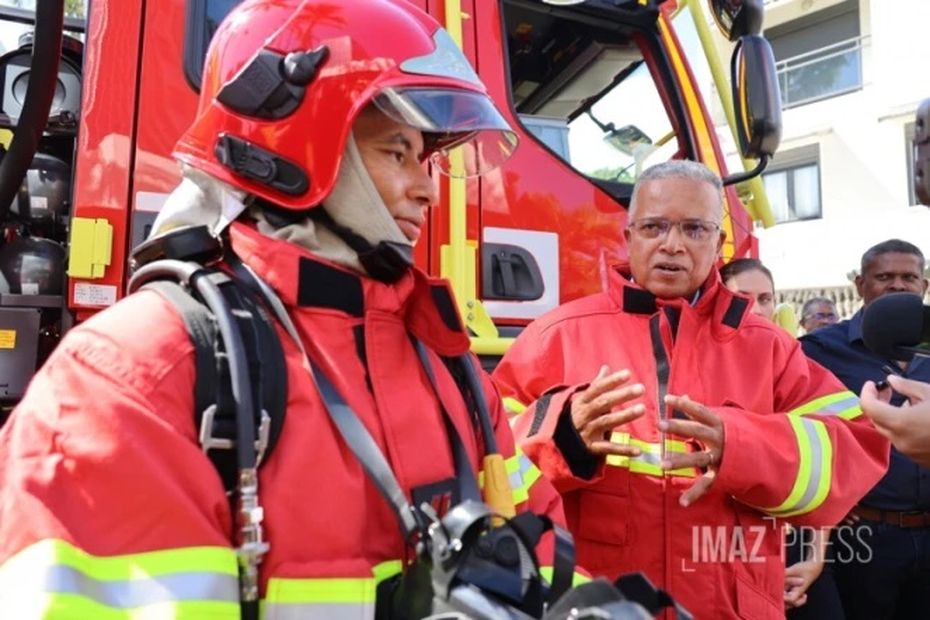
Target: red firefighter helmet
284, 81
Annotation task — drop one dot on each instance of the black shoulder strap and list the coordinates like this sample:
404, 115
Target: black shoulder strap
212, 388
202, 331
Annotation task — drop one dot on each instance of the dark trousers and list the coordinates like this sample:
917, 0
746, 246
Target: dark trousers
883, 571
823, 599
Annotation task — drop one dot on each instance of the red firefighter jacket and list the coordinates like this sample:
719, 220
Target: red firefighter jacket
109, 508
796, 444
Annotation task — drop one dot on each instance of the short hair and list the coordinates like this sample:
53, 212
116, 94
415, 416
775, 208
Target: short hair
678, 169
742, 265
896, 246
806, 308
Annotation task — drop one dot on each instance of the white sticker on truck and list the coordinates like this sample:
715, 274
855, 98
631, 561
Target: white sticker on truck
87, 294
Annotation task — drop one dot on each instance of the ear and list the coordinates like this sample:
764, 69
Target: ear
859, 281
926, 283
720, 240
626, 236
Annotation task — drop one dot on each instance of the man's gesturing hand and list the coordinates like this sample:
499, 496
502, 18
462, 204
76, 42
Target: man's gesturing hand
594, 416
907, 426
707, 428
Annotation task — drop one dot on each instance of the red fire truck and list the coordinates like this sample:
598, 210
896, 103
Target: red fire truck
597, 90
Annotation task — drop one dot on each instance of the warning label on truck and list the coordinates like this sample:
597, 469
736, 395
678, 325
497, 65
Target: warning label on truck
94, 294
7, 338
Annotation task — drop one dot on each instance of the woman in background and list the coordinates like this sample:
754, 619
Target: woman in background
810, 591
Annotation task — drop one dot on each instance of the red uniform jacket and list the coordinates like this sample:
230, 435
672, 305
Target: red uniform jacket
797, 446
107, 502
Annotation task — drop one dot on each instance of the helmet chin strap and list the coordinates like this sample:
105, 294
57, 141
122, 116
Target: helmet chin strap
386, 261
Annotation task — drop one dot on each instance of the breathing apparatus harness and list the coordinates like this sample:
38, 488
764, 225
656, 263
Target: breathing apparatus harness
463, 554
471, 562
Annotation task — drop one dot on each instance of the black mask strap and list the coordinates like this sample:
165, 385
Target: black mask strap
386, 262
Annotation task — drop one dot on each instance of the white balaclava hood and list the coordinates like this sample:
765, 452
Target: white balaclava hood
354, 203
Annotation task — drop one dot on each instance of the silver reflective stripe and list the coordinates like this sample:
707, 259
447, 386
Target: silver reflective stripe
319, 611
844, 404
813, 480
130, 593
516, 478
648, 457
838, 407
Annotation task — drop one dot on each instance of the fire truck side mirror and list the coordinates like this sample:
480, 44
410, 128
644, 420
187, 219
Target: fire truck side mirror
736, 18
756, 97
922, 153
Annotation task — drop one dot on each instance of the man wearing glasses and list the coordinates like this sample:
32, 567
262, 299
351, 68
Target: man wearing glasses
679, 427
893, 520
818, 312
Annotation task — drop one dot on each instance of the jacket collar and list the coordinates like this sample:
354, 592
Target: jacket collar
854, 329
303, 279
728, 309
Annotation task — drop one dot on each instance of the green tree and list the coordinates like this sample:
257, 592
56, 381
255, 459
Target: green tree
614, 174
75, 8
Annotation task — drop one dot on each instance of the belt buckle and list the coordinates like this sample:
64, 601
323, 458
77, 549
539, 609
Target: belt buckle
912, 519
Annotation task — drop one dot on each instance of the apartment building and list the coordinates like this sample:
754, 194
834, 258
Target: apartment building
852, 73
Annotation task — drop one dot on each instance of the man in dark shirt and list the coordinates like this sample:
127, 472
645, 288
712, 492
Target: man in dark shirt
883, 564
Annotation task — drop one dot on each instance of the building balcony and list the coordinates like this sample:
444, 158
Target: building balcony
829, 71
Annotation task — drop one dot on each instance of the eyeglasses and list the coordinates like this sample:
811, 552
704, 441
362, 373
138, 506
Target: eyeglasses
693, 229
822, 316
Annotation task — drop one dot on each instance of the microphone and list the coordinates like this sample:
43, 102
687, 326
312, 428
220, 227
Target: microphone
897, 326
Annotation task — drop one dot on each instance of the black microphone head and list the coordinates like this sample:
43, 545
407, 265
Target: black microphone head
894, 324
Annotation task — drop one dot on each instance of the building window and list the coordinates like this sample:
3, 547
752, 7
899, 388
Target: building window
792, 184
820, 55
911, 157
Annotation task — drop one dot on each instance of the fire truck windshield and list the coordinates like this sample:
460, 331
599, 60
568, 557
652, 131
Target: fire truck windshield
587, 92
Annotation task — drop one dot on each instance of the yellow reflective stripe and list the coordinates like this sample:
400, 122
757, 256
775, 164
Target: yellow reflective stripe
844, 404
331, 589
522, 473
851, 413
333, 598
129, 566
577, 578
513, 406
386, 570
71, 607
59, 576
522, 493
815, 469
649, 462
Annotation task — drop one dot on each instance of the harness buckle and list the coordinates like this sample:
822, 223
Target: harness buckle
208, 441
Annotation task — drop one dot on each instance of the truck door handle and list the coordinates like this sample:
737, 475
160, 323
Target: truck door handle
509, 272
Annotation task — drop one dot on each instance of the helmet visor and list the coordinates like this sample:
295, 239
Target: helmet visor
452, 118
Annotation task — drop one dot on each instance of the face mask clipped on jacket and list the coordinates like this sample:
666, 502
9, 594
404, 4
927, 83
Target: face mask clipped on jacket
470, 568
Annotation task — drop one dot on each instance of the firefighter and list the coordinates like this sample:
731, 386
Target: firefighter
679, 427
311, 136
